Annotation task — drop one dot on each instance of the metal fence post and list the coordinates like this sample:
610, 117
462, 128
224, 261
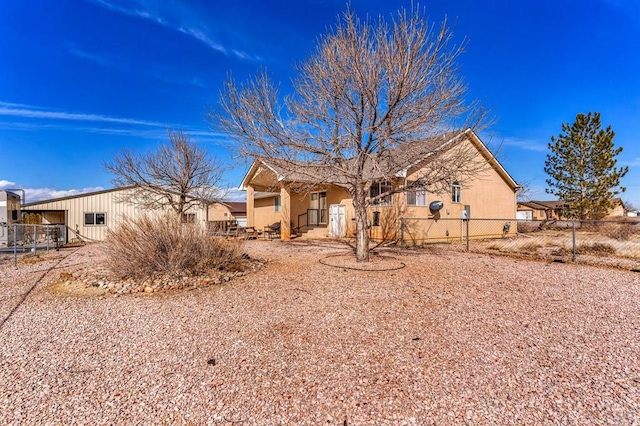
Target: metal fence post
47, 235
467, 220
15, 246
402, 232
35, 238
573, 236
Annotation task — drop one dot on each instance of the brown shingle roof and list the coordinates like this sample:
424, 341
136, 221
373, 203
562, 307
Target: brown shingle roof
392, 161
236, 206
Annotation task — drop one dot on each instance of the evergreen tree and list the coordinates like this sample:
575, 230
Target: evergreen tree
582, 167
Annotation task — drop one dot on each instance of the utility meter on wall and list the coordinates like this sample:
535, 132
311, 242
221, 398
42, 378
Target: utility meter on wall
466, 213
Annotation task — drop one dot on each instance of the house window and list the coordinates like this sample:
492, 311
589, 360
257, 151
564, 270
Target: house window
416, 197
276, 203
188, 218
95, 218
455, 192
378, 188
317, 213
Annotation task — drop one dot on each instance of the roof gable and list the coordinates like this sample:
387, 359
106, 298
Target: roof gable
398, 160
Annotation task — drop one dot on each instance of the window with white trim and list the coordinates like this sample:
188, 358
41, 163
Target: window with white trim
456, 192
95, 219
416, 197
378, 188
276, 203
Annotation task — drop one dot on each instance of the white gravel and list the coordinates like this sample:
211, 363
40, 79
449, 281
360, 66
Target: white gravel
451, 338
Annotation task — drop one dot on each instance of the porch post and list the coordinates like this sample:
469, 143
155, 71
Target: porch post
251, 212
285, 212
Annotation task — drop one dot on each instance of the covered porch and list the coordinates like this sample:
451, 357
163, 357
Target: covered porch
320, 211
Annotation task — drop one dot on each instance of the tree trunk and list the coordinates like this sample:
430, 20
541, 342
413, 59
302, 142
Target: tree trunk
362, 234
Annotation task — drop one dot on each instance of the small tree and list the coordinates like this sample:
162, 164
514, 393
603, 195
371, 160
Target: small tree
582, 167
178, 176
524, 192
368, 102
629, 206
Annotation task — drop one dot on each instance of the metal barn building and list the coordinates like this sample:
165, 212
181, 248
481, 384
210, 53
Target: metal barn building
88, 216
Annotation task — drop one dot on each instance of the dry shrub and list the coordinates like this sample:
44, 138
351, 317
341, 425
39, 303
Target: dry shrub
530, 246
152, 245
620, 231
595, 248
525, 227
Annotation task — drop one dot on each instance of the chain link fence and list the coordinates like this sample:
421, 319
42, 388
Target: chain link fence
607, 242
22, 238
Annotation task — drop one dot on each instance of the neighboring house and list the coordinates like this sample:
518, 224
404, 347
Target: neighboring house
541, 210
229, 211
88, 216
617, 210
327, 210
555, 210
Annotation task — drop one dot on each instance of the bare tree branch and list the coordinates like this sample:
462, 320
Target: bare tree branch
373, 97
180, 175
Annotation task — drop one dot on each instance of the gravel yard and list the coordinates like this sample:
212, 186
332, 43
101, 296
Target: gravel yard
451, 338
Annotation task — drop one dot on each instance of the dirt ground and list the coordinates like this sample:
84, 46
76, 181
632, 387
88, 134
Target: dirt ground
437, 337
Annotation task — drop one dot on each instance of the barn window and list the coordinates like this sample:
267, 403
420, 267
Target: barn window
188, 218
95, 218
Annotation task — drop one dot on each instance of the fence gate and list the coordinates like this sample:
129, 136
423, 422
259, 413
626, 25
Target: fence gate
337, 221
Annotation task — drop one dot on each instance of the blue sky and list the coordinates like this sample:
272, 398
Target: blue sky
82, 79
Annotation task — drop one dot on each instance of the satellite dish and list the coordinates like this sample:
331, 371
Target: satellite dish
436, 206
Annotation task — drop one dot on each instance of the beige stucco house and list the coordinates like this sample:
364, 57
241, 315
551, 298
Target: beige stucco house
327, 210
541, 210
88, 216
617, 210
232, 211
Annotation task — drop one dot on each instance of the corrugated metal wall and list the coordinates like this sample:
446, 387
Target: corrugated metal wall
108, 202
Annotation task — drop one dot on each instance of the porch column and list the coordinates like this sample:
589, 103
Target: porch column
285, 212
251, 216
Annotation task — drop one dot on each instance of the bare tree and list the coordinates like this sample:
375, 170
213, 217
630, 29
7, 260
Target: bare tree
370, 100
178, 176
524, 192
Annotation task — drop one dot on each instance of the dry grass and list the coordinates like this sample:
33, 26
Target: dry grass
530, 246
620, 231
595, 248
161, 245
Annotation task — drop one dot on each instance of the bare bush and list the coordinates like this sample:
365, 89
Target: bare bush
530, 246
151, 245
621, 231
525, 227
595, 248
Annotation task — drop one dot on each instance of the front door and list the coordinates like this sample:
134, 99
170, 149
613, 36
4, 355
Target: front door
337, 221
